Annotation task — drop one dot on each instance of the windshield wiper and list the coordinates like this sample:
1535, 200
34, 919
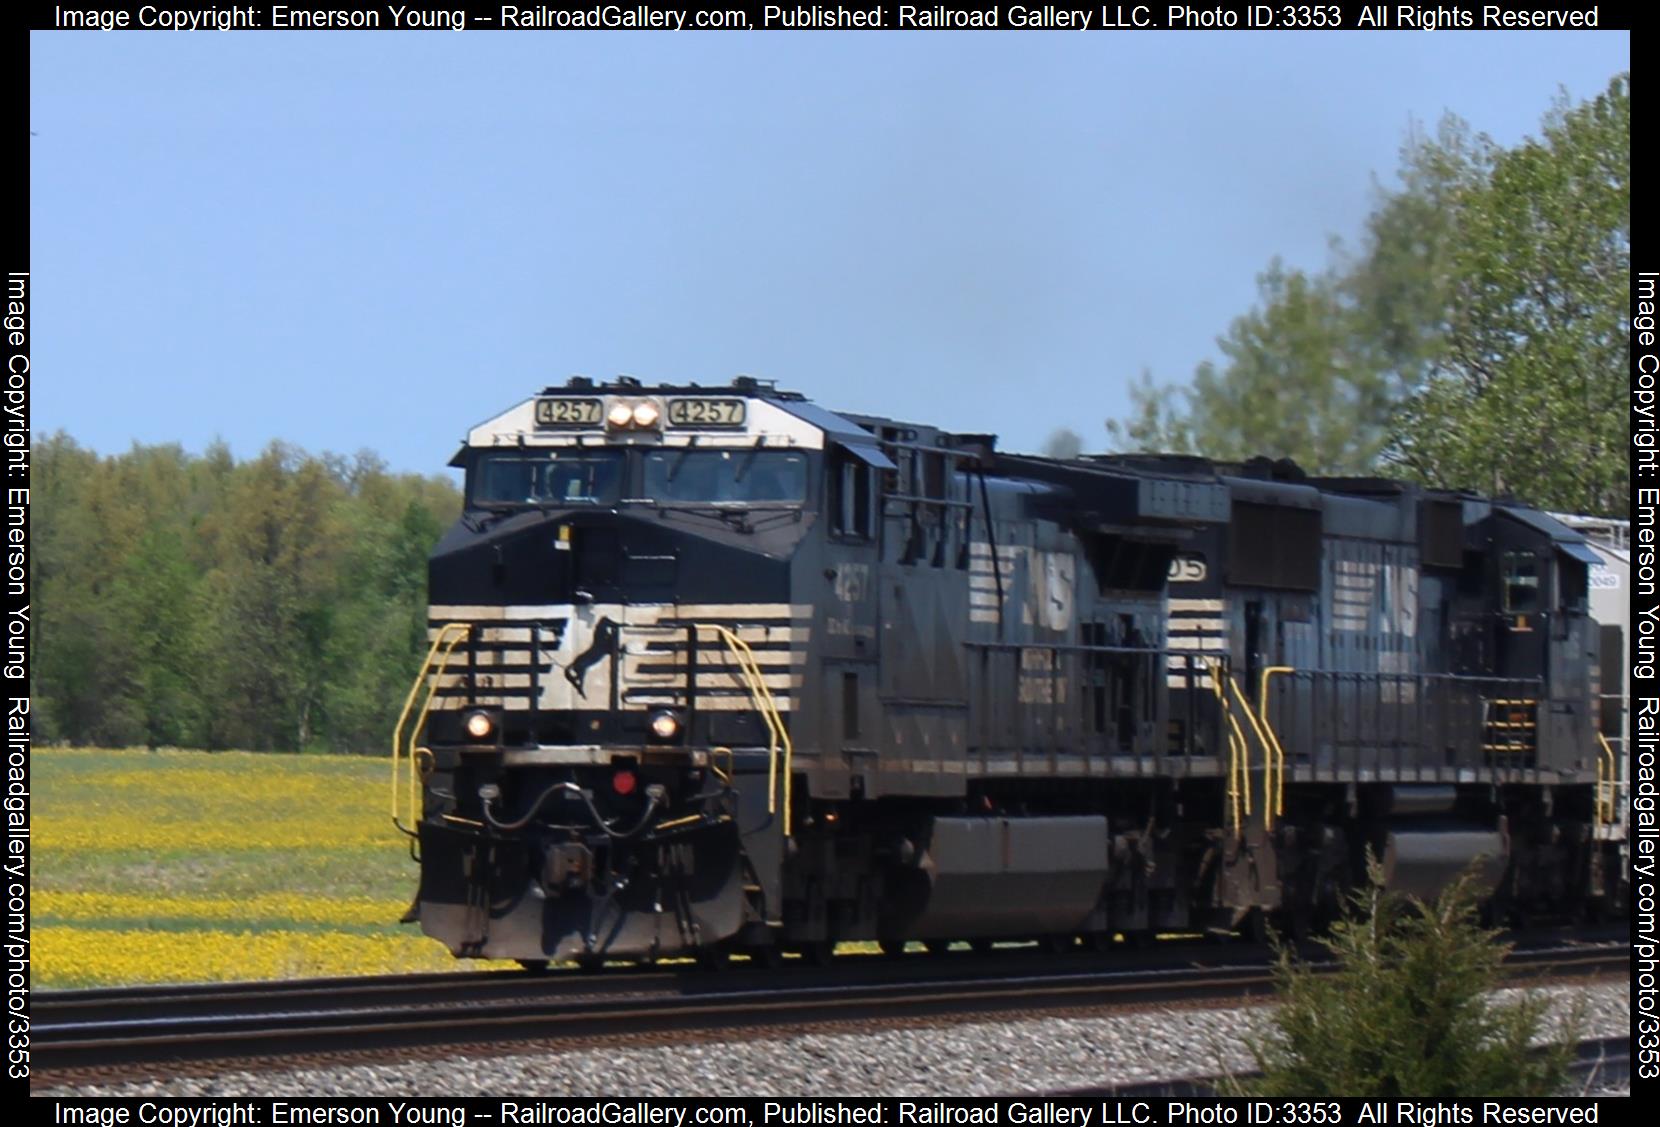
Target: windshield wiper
680, 459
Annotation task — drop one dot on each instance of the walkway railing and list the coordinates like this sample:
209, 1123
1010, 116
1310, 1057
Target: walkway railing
433, 669
778, 734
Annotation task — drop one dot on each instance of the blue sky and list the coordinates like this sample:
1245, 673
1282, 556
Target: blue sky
373, 241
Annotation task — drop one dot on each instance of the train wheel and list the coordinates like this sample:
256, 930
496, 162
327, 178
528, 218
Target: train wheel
1139, 939
534, 966
1098, 942
980, 946
820, 952
768, 957
936, 947
590, 964
712, 958
1059, 944
892, 948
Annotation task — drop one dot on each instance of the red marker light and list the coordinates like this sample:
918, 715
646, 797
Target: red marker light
624, 782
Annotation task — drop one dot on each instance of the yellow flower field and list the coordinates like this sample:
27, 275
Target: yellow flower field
191, 867
73, 956
267, 909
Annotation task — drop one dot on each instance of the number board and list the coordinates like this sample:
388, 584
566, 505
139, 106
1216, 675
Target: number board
706, 412
568, 412
1187, 569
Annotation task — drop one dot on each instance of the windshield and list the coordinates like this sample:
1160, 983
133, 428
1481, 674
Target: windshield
723, 476
553, 477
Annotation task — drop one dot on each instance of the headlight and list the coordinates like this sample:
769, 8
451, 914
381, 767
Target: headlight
665, 725
645, 415
620, 415
479, 725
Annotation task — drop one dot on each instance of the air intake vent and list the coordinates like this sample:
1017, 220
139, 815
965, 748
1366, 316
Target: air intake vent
1274, 546
1441, 533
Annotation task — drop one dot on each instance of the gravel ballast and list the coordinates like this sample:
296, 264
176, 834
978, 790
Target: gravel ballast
983, 1058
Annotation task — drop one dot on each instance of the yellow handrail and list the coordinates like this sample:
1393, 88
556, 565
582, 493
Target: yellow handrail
1601, 818
758, 692
1238, 766
451, 633
777, 734
1606, 813
1267, 763
714, 763
1273, 736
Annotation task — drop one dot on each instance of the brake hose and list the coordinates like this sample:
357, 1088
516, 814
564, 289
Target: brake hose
489, 793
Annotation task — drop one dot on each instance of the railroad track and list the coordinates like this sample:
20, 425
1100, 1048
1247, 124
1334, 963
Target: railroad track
681, 977
99, 1028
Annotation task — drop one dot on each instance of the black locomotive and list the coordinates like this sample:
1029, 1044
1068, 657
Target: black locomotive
716, 669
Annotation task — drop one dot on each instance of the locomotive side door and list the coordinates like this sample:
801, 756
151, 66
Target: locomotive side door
849, 644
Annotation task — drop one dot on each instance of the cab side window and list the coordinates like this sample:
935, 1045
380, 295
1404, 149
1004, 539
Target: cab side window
850, 499
1573, 586
1521, 582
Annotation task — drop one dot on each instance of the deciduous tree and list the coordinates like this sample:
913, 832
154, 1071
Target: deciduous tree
273, 604
1526, 393
1478, 339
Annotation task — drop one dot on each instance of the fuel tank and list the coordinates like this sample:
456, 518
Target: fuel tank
1000, 876
1428, 843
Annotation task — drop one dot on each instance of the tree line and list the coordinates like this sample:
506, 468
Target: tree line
1477, 338
195, 601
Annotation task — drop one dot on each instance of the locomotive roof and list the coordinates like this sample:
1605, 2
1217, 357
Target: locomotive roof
629, 385
1171, 487
1570, 541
